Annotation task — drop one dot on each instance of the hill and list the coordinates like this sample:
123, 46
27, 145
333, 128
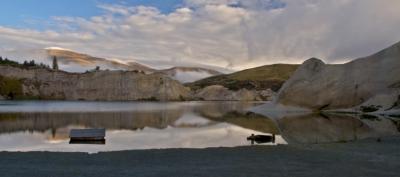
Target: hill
181, 74
71, 57
259, 78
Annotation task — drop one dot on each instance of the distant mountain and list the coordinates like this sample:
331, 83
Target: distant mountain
182, 74
259, 78
67, 57
189, 74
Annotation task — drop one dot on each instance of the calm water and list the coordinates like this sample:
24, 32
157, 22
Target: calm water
45, 125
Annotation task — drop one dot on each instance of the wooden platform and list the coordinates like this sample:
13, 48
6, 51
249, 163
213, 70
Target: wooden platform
99, 142
83, 136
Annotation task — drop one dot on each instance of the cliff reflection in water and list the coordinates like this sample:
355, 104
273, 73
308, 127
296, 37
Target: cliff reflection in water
314, 128
335, 128
157, 126
186, 125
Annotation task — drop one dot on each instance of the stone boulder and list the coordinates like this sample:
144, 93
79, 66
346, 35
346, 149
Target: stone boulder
267, 95
373, 80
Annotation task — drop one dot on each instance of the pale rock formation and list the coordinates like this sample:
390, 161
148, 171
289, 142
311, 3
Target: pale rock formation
246, 95
2, 98
373, 80
267, 95
220, 93
100, 85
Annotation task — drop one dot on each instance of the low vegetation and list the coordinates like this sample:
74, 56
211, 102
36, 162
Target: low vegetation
10, 87
260, 78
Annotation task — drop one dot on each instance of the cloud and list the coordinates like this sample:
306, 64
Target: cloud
234, 34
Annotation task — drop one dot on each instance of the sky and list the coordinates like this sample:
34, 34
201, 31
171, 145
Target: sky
231, 34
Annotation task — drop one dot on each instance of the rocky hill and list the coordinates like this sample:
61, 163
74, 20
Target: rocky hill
43, 83
369, 84
21, 82
259, 78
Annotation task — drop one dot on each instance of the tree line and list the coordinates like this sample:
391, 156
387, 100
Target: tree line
33, 64
28, 63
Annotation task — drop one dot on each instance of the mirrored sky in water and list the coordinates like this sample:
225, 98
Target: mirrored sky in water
45, 126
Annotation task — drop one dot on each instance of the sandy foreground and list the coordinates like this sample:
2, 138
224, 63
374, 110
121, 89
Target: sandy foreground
362, 158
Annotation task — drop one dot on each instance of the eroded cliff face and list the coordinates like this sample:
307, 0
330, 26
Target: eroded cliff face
100, 85
373, 80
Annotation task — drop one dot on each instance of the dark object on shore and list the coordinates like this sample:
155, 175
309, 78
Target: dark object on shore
99, 142
87, 136
371, 108
261, 138
10, 96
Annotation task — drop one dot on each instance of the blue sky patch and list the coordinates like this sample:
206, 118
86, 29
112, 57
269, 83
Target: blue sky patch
37, 14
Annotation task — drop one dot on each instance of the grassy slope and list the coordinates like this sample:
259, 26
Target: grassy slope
259, 78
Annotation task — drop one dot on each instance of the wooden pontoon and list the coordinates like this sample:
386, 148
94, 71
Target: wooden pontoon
87, 136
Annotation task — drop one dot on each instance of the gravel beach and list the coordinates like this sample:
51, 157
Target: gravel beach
361, 158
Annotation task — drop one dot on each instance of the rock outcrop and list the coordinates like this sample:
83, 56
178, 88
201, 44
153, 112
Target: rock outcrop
99, 85
267, 95
220, 93
1, 97
373, 80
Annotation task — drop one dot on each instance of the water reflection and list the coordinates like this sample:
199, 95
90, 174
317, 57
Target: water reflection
317, 128
162, 126
174, 125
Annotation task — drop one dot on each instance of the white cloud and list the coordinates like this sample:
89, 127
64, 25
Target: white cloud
225, 33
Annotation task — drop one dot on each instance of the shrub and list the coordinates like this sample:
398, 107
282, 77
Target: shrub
10, 87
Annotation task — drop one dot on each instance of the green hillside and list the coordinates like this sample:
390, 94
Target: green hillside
259, 78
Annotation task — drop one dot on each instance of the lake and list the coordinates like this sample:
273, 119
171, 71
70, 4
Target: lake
45, 125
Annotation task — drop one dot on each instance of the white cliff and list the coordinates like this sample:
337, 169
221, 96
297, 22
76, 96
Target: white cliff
98, 85
369, 81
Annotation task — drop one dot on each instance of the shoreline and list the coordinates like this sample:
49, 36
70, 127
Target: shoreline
360, 158
271, 110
